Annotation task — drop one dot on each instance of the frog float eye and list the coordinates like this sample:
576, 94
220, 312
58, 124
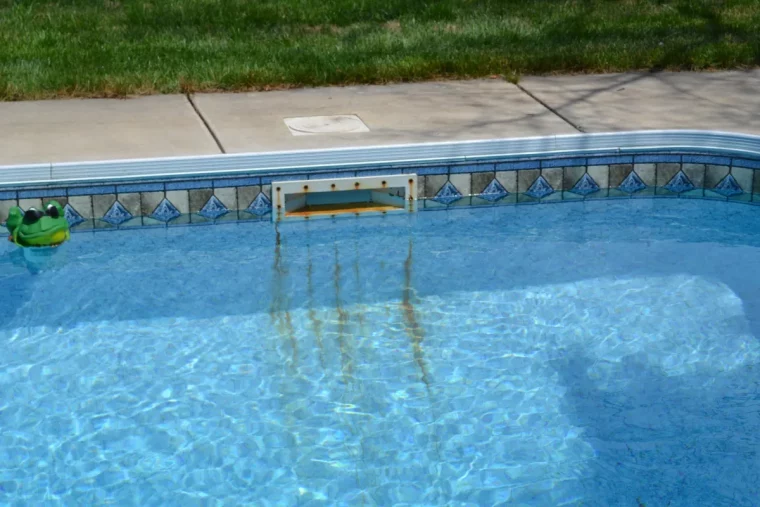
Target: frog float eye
32, 215
52, 211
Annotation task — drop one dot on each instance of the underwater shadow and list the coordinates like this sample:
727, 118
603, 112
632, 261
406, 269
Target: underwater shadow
666, 440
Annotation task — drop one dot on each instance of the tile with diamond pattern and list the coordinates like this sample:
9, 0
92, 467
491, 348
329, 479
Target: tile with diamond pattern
728, 187
585, 186
632, 183
165, 211
213, 208
540, 188
679, 183
447, 194
261, 205
117, 214
494, 191
72, 216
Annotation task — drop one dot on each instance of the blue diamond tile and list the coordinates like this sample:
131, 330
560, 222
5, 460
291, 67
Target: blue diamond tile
494, 191
585, 186
260, 206
540, 188
71, 215
165, 211
117, 214
447, 194
213, 208
680, 183
728, 187
632, 183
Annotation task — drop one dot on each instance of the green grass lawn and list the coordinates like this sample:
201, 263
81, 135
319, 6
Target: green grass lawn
109, 48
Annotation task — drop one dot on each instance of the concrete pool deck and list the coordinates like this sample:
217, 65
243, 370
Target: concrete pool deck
208, 124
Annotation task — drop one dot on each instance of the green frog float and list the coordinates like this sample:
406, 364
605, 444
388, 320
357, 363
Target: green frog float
36, 228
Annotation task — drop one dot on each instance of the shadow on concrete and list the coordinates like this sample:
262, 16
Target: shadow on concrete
655, 100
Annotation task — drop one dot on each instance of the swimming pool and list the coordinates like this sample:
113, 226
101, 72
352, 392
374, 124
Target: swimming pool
587, 353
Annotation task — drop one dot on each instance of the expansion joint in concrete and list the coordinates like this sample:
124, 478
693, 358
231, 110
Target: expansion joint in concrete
551, 109
205, 123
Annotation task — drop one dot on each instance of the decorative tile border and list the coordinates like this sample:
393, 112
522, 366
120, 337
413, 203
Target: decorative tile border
493, 180
489, 184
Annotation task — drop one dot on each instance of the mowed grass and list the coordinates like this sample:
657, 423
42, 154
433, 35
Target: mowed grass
107, 48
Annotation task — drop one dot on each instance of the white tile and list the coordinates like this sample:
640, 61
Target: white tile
180, 199
461, 182
743, 177
600, 174
82, 204
508, 180
228, 196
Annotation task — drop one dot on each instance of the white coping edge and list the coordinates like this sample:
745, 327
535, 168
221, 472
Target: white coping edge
725, 143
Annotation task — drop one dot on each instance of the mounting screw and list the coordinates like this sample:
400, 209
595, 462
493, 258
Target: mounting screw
278, 206
278, 189
332, 186
356, 184
411, 181
385, 183
306, 187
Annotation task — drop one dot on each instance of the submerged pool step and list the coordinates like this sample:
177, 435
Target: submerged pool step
373, 195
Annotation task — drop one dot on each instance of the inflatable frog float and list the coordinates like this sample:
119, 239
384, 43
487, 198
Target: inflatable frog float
37, 228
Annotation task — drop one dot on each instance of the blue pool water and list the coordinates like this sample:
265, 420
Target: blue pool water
595, 354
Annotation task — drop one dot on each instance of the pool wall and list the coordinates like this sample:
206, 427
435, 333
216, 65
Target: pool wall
202, 190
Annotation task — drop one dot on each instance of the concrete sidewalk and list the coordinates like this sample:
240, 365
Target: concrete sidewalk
175, 125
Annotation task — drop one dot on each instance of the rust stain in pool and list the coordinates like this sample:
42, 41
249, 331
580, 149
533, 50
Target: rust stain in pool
346, 360
413, 328
316, 323
279, 311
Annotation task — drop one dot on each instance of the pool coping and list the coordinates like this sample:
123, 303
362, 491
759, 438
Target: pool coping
378, 157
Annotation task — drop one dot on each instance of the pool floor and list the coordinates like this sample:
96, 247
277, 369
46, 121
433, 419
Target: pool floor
598, 353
